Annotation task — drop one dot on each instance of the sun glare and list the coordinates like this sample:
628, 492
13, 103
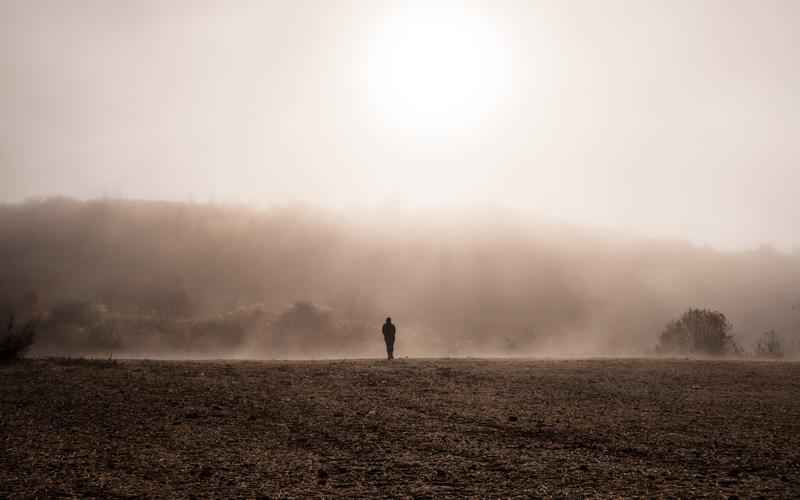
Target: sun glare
437, 69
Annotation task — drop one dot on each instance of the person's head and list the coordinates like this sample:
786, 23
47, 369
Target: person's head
388, 320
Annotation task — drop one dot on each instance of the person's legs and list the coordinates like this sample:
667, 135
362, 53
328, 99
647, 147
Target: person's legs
389, 348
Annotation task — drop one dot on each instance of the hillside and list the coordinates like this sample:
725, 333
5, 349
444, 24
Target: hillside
208, 278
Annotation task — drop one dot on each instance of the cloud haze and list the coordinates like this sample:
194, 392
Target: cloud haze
167, 278
665, 119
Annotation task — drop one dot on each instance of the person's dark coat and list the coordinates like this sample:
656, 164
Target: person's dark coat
388, 331
388, 336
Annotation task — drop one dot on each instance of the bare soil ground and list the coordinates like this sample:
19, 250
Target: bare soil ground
410, 428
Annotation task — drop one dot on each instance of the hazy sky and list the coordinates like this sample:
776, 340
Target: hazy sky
674, 119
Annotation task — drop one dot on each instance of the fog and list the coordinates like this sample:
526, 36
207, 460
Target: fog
132, 278
505, 177
671, 120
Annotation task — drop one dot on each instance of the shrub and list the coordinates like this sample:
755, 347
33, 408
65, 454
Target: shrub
698, 331
77, 313
77, 325
15, 341
769, 345
303, 327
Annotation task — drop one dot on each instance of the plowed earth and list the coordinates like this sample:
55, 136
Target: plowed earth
409, 428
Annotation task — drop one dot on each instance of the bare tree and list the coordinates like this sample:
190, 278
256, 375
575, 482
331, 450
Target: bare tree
769, 345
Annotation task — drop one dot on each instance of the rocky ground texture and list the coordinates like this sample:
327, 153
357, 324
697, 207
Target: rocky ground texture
409, 428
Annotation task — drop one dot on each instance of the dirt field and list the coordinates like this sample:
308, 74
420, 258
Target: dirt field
410, 428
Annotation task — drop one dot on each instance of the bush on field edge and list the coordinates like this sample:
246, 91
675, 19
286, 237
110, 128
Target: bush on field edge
16, 340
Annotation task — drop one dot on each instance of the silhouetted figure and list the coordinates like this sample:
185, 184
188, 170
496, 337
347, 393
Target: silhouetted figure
388, 336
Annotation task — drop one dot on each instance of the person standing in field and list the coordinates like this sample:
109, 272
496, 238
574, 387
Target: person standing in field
388, 336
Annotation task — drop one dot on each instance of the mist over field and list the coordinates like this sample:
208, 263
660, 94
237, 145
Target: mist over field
581, 217
142, 278
367, 124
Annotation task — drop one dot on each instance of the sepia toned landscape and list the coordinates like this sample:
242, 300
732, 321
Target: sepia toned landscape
430, 428
187, 280
399, 249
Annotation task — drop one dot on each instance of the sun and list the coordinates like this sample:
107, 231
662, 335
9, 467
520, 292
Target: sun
437, 69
